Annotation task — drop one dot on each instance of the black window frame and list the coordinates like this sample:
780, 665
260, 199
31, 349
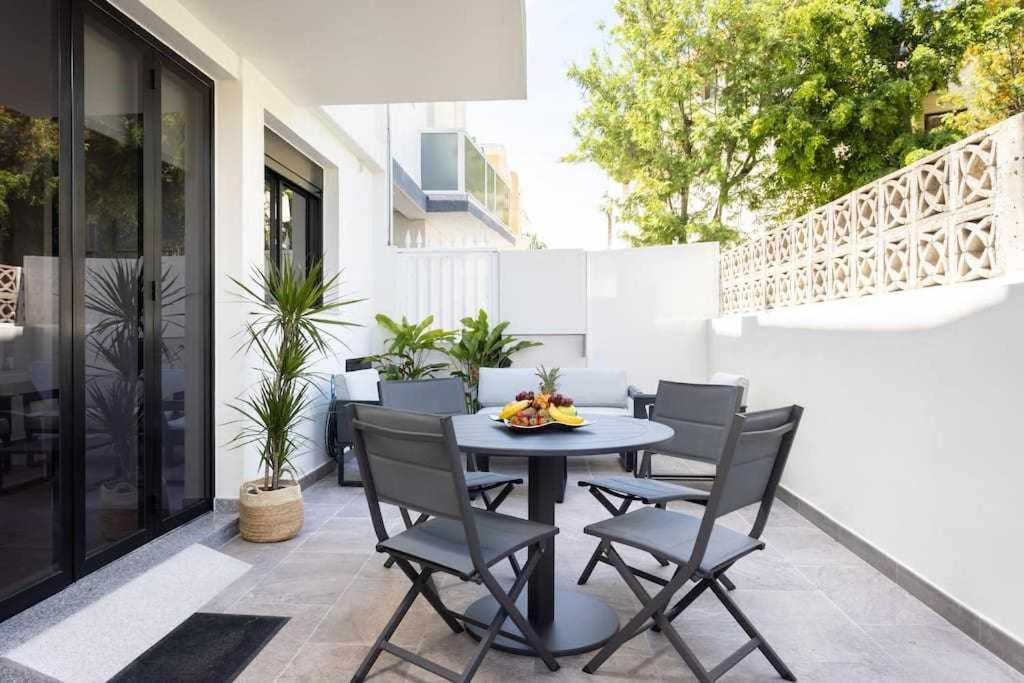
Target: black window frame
314, 228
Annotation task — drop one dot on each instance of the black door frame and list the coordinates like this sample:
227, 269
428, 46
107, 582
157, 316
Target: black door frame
70, 547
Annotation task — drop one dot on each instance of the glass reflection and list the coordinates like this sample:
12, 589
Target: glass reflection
114, 417
30, 497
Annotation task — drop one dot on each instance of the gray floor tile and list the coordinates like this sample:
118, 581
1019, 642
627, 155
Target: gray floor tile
940, 655
869, 598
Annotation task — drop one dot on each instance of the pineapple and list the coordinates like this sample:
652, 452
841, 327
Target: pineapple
548, 380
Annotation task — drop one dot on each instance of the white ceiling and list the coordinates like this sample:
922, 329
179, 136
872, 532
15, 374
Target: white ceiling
323, 52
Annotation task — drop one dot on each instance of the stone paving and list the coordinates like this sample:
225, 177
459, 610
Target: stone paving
830, 616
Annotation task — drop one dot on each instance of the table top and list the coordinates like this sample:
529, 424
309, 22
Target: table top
481, 435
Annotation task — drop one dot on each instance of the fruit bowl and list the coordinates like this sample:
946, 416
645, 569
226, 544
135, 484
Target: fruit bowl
546, 425
530, 412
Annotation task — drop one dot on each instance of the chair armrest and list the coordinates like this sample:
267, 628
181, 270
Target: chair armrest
339, 431
641, 403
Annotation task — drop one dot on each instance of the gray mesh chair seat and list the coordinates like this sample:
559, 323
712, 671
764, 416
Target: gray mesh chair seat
412, 460
749, 466
485, 481
672, 536
647, 491
442, 543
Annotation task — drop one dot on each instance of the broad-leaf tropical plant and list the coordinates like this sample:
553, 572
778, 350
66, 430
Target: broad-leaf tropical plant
288, 334
481, 346
407, 351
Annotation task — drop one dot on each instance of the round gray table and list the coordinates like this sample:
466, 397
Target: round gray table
569, 622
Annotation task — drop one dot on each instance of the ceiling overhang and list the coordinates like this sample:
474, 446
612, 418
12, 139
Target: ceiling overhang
334, 52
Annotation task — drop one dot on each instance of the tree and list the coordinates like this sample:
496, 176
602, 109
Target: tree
995, 60
673, 111
857, 74
701, 108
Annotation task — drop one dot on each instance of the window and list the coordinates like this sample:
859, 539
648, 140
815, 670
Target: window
292, 230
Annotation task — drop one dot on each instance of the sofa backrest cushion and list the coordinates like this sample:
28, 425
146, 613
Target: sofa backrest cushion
595, 386
498, 386
359, 385
586, 386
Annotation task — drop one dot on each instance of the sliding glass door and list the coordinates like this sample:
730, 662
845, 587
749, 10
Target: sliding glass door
34, 498
145, 276
105, 233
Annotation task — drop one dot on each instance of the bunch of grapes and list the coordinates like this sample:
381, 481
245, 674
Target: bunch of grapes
525, 396
560, 400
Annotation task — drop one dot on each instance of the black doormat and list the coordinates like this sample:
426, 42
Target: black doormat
204, 647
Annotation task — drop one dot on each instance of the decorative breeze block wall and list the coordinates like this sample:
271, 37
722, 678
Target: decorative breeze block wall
955, 216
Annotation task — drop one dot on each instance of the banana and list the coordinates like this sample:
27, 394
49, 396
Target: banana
512, 408
558, 416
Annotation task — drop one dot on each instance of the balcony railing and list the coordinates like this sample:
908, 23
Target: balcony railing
451, 162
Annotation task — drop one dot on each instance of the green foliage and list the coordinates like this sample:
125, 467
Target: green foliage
548, 379
406, 351
703, 107
481, 346
673, 111
28, 161
857, 75
288, 335
995, 59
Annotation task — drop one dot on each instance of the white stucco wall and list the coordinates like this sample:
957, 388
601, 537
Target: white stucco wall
911, 435
349, 143
646, 311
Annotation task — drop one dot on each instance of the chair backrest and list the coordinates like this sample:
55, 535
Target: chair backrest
700, 414
732, 380
410, 460
359, 385
756, 449
753, 473
442, 396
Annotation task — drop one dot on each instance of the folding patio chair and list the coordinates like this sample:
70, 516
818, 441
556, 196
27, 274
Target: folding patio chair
411, 460
446, 396
748, 472
701, 415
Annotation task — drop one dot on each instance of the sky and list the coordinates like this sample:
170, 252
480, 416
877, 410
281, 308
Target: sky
562, 200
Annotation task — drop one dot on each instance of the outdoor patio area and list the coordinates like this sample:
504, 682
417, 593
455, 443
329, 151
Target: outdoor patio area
830, 615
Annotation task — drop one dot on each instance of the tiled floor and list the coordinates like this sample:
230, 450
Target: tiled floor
829, 615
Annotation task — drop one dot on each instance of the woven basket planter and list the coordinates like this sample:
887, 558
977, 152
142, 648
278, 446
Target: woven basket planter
269, 516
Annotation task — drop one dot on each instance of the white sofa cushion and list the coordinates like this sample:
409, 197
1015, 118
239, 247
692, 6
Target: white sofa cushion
498, 386
586, 386
358, 385
595, 387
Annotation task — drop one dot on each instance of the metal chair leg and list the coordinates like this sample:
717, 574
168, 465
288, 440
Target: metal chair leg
755, 636
592, 563
390, 628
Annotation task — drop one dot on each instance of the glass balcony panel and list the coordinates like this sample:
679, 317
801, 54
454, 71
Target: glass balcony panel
439, 157
501, 200
476, 173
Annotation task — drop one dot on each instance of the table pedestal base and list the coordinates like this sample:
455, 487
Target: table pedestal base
581, 624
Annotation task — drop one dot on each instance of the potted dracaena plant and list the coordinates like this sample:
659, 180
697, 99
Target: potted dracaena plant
288, 334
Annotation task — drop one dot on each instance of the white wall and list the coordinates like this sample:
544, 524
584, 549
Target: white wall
349, 143
911, 436
646, 311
